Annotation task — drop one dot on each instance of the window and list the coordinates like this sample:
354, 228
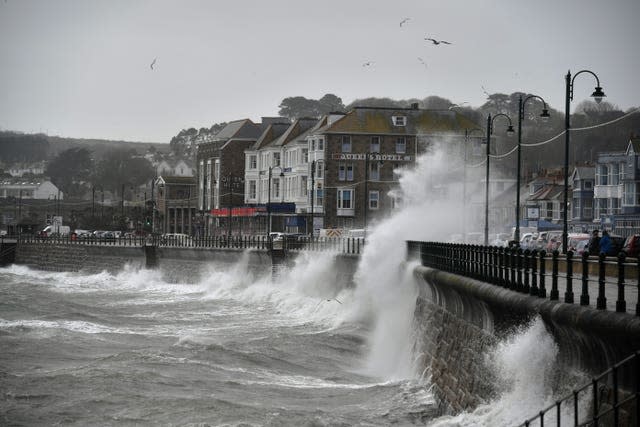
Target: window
588, 208
399, 120
346, 143
252, 190
629, 193
375, 144
345, 172
345, 199
588, 185
374, 197
303, 186
253, 161
603, 175
276, 159
614, 173
313, 145
615, 206
319, 169
305, 155
374, 171
549, 210
276, 188
319, 197
401, 145
320, 144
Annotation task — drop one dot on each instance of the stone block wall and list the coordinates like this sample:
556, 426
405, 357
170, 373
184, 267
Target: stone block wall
454, 357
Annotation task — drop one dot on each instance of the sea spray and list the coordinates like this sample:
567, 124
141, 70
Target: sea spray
525, 367
386, 291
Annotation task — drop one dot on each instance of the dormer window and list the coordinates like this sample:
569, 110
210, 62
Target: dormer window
399, 120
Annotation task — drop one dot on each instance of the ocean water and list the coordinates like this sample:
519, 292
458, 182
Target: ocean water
131, 348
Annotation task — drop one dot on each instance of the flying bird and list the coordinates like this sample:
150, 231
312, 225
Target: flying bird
422, 62
437, 42
404, 21
368, 64
153, 63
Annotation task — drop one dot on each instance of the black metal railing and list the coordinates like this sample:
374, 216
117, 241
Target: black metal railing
610, 405
525, 271
344, 245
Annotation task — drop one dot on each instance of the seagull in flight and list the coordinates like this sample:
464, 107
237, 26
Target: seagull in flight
404, 21
437, 42
153, 63
422, 62
368, 64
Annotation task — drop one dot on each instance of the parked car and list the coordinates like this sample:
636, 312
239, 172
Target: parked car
631, 246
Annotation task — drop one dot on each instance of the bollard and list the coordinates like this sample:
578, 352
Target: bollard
534, 278
514, 264
554, 295
526, 262
542, 290
601, 302
621, 304
568, 294
496, 267
584, 296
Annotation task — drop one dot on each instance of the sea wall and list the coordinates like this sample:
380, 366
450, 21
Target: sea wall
176, 263
462, 318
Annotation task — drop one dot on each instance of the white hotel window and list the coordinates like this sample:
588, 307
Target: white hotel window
401, 145
374, 198
252, 190
345, 199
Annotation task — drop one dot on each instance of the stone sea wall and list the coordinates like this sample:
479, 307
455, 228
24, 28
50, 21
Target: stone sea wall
462, 318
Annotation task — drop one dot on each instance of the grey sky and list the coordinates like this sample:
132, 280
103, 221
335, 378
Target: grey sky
81, 68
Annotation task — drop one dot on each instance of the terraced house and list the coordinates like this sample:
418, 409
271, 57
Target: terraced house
358, 156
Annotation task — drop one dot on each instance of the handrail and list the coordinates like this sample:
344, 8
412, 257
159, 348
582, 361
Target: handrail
594, 385
345, 245
511, 268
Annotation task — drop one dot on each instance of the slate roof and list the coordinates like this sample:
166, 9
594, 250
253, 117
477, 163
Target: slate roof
585, 172
377, 120
179, 180
244, 128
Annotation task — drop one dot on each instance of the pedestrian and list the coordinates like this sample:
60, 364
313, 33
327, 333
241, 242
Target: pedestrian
594, 244
605, 243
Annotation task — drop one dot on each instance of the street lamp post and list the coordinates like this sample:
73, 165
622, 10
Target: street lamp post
597, 95
544, 115
467, 132
490, 121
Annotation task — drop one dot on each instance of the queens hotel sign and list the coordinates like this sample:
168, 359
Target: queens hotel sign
363, 156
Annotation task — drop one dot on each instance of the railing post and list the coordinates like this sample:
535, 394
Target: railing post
534, 278
595, 400
621, 304
554, 295
584, 296
568, 294
513, 285
496, 267
527, 259
519, 256
542, 290
601, 302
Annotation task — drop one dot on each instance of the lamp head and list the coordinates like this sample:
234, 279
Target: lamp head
510, 131
598, 94
545, 114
